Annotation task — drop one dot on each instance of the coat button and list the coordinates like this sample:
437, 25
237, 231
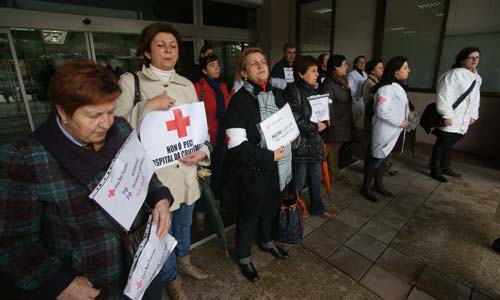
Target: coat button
177, 166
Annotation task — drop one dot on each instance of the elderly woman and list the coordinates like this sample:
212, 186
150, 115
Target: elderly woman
253, 176
161, 88
309, 154
56, 241
340, 129
391, 107
374, 69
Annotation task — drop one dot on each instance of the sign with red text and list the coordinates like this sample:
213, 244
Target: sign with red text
171, 134
279, 129
124, 187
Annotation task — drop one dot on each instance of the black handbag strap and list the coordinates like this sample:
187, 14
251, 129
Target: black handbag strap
464, 95
137, 89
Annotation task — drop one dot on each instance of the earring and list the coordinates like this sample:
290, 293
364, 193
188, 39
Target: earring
65, 122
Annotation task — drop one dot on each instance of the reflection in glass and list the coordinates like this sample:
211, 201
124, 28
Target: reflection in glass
218, 13
315, 27
117, 52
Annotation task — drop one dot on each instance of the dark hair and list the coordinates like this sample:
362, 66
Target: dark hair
334, 61
370, 66
82, 82
356, 60
321, 58
288, 46
302, 64
204, 61
148, 34
462, 55
389, 75
204, 49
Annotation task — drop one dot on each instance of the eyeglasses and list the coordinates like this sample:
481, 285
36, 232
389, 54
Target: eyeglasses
473, 57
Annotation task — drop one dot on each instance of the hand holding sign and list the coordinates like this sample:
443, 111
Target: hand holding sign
319, 107
279, 153
160, 102
193, 158
279, 129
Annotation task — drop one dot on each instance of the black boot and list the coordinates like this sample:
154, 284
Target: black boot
436, 172
378, 185
366, 189
447, 170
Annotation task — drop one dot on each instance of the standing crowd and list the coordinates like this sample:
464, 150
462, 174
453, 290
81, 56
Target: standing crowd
57, 243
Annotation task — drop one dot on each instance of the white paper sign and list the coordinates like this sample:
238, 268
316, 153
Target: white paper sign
279, 129
172, 134
124, 187
319, 107
288, 74
148, 260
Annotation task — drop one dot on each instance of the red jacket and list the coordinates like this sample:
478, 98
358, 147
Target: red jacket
207, 95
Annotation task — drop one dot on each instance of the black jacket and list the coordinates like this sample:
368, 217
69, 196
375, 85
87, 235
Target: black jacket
277, 71
310, 148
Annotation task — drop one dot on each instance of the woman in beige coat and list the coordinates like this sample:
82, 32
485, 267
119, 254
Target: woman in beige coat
160, 89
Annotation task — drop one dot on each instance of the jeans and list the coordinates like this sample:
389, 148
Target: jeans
311, 170
182, 218
441, 152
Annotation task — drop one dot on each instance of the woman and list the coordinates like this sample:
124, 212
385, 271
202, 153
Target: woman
309, 154
322, 63
356, 78
374, 69
391, 107
213, 93
451, 86
56, 241
340, 129
160, 89
253, 177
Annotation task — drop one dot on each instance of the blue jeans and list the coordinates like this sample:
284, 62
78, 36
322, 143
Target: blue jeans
182, 218
311, 170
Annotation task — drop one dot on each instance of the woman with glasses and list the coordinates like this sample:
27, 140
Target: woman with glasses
452, 85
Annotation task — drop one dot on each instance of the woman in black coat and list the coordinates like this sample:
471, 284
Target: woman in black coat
340, 129
309, 154
252, 176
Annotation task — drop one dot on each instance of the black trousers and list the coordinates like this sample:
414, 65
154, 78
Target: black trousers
441, 152
266, 220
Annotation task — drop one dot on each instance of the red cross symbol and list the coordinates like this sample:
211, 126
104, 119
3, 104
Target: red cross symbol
111, 193
179, 123
381, 100
139, 284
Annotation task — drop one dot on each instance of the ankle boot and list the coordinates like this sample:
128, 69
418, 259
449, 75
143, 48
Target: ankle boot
378, 185
174, 289
447, 170
187, 268
366, 189
436, 172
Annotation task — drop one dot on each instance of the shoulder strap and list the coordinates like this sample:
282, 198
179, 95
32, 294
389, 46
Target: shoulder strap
464, 95
137, 88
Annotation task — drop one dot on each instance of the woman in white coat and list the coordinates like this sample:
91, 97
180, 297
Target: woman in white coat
451, 86
355, 79
391, 107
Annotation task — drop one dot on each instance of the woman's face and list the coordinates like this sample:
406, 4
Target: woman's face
325, 61
164, 51
212, 70
360, 63
378, 70
472, 61
89, 123
403, 73
256, 68
342, 70
311, 75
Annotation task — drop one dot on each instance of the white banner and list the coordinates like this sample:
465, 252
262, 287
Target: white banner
288, 74
319, 107
124, 187
172, 134
279, 129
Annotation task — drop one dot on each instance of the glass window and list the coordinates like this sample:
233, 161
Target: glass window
315, 27
180, 11
223, 14
228, 54
412, 28
474, 24
185, 65
117, 51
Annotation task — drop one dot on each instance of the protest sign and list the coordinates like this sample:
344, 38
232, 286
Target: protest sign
319, 107
279, 129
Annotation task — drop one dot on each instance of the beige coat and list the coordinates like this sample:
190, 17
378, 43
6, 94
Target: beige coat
178, 177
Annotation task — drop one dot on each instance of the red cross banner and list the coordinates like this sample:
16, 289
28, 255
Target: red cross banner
171, 134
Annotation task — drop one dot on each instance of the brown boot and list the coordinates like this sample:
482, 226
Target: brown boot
185, 267
174, 289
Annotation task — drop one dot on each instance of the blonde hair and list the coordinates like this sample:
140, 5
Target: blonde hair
243, 59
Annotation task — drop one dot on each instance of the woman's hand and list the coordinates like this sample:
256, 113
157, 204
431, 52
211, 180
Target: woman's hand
321, 126
447, 122
279, 153
193, 158
79, 289
160, 102
405, 124
472, 121
161, 216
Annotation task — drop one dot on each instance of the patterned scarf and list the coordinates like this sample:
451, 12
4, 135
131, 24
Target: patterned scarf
267, 107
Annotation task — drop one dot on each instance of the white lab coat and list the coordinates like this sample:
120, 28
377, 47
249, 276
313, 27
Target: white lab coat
391, 109
451, 86
355, 81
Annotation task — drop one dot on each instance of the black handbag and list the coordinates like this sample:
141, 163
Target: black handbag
290, 223
432, 118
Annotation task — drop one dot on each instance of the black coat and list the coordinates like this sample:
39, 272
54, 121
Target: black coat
310, 148
277, 71
249, 175
341, 120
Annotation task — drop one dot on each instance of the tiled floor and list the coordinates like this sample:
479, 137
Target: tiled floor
429, 242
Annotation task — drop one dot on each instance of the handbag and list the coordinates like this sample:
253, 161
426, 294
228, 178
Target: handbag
290, 222
432, 118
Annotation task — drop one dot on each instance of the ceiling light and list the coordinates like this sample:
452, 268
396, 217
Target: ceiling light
323, 10
398, 28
